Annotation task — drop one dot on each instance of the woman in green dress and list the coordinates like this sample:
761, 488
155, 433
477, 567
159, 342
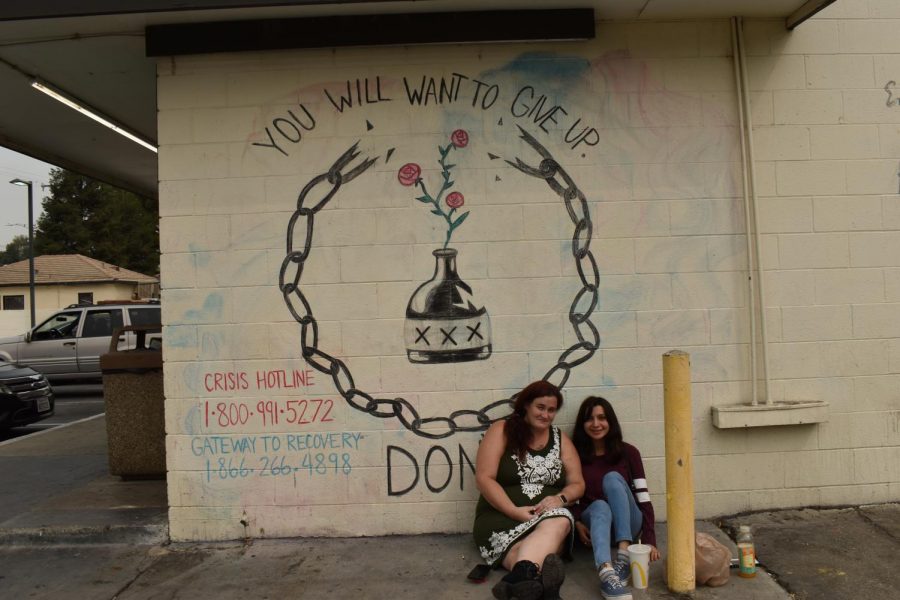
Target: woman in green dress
528, 473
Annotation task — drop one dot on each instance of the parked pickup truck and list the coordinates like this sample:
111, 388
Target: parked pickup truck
68, 345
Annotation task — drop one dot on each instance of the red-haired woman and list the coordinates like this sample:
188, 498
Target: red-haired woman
528, 473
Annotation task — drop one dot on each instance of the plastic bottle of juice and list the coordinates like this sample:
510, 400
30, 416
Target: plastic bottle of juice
747, 552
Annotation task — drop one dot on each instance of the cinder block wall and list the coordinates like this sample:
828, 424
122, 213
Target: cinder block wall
644, 122
828, 149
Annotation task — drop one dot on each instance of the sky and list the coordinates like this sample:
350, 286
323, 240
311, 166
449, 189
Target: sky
13, 198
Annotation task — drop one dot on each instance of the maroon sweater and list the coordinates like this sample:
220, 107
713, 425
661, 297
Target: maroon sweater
631, 468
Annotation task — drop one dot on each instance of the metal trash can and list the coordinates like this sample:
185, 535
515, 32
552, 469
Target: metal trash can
135, 407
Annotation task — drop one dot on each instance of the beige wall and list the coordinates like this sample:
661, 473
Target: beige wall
660, 170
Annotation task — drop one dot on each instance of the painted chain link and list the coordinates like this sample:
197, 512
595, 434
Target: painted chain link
587, 298
466, 420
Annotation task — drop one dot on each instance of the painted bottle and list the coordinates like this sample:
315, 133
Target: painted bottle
747, 552
444, 321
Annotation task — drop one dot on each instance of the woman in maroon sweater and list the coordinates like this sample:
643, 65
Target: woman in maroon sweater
615, 509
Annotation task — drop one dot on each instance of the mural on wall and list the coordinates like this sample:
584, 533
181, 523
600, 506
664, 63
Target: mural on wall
285, 431
444, 289
444, 322
345, 412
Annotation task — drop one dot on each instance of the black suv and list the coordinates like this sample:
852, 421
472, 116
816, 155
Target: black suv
25, 395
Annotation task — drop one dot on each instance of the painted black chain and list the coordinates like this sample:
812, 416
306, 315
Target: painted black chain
466, 420
587, 298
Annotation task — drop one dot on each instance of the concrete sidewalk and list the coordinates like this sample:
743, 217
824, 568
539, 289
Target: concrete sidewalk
72, 531
55, 487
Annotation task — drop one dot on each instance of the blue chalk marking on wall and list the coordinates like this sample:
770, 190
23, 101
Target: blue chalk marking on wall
216, 445
210, 345
241, 456
192, 377
191, 420
201, 258
180, 337
212, 307
546, 67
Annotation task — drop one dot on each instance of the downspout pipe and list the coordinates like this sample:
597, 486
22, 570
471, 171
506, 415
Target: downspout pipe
754, 268
745, 180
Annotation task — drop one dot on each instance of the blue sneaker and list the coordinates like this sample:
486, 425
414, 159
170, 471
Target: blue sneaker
612, 588
622, 566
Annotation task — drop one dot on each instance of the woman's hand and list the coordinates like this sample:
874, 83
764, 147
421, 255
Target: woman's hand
548, 503
584, 534
654, 554
522, 513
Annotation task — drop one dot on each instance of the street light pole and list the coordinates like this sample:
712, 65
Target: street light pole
28, 184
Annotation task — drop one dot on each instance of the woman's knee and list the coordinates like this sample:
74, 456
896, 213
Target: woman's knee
613, 480
557, 525
598, 509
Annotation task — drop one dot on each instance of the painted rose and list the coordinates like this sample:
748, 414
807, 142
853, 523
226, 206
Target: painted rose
443, 206
455, 200
459, 138
409, 174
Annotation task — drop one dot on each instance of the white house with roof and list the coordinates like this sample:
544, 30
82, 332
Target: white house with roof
61, 280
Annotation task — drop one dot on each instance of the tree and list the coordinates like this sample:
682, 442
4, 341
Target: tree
84, 216
16, 250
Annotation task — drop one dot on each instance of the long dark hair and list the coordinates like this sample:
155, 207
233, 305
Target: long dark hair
613, 439
518, 433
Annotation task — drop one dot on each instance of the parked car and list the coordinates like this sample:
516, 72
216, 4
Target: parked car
25, 396
68, 345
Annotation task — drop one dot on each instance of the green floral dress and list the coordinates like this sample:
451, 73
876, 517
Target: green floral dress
541, 474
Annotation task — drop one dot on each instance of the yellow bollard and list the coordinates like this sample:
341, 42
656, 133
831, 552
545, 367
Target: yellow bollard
679, 471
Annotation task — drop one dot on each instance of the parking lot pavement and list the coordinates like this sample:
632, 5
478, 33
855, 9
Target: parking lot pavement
55, 487
833, 554
73, 403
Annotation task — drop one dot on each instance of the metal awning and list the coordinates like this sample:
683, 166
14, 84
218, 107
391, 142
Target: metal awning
94, 50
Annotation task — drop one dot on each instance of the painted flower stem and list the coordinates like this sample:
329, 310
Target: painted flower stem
410, 174
446, 185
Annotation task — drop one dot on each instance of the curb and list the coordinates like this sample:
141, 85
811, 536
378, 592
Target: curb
152, 534
52, 429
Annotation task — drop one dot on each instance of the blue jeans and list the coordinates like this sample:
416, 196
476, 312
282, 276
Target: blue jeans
613, 520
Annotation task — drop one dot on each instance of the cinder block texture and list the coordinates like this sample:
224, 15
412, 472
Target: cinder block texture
366, 251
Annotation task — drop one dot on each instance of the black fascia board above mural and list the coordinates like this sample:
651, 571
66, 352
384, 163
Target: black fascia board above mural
55, 9
371, 30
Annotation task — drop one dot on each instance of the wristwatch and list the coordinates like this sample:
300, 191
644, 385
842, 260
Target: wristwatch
564, 499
